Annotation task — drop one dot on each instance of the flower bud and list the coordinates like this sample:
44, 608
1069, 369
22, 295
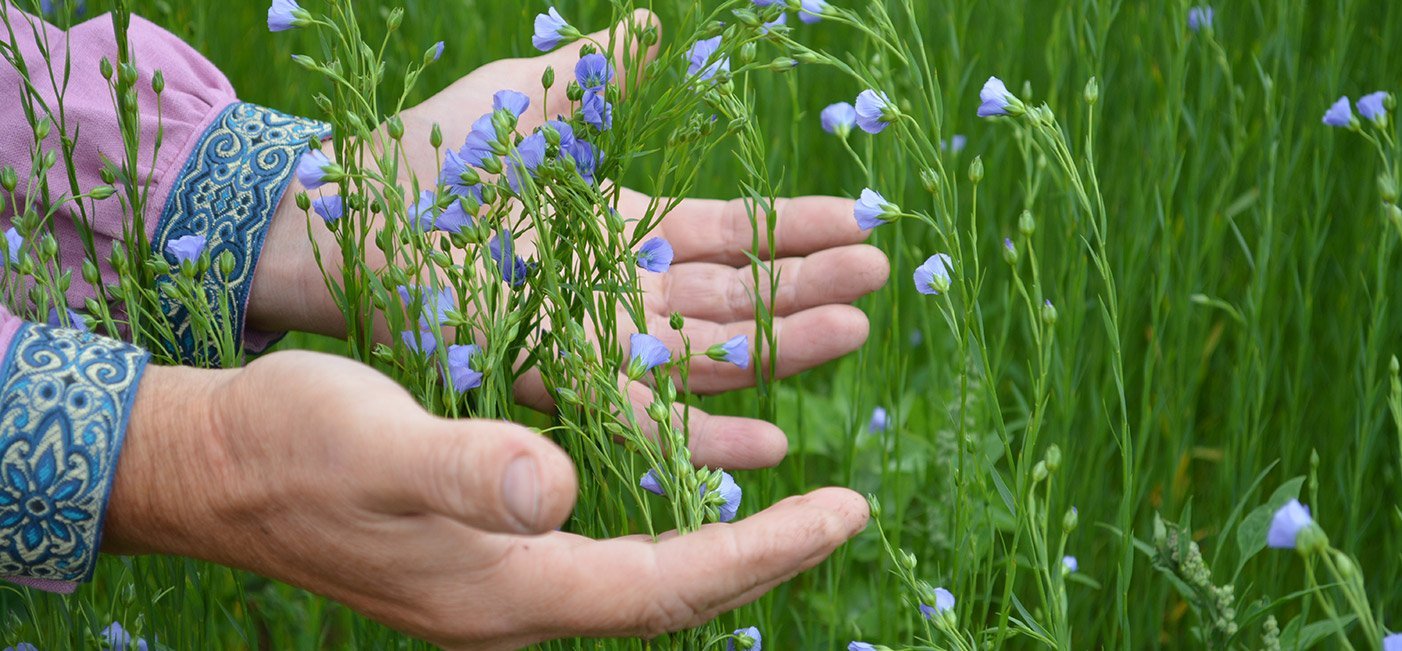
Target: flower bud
874, 505
1026, 224
929, 180
573, 91
547, 78
102, 192
1387, 187
1039, 471
1070, 520
677, 321
396, 17
90, 273
650, 35
747, 52
395, 126
906, 559
435, 136
1393, 366
1348, 571
108, 173
1311, 540
783, 64
41, 130
158, 82
1049, 314
227, 263
8, 178
976, 170
1053, 458
810, 57
1160, 532
304, 61
1009, 251
105, 68
1092, 91
567, 396
552, 136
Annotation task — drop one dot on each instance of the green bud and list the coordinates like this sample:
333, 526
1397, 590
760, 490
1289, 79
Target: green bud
395, 126
395, 19
126, 75
567, 396
1026, 224
443, 260
435, 136
490, 165
906, 559
105, 67
8, 178
108, 174
1092, 92
874, 505
90, 273
574, 92
650, 35
1049, 314
547, 78
552, 136
747, 52
41, 130
470, 177
810, 57
657, 412
227, 263
1039, 471
1311, 540
929, 180
304, 61
48, 247
102, 192
1053, 458
158, 82
1160, 531
677, 321
783, 64
1392, 366
976, 170
489, 192
713, 28
1387, 187
1070, 520
303, 201
1010, 254
49, 159
65, 281
433, 53
1348, 570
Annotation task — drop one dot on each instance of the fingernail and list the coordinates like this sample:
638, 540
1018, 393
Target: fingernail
520, 490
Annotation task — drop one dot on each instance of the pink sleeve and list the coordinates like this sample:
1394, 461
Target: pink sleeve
219, 173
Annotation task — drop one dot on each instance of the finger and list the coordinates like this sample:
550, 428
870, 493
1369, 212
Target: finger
626, 61
721, 231
634, 588
722, 293
490, 475
805, 340
717, 441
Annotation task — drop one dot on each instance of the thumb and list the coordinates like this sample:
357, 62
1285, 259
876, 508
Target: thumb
490, 475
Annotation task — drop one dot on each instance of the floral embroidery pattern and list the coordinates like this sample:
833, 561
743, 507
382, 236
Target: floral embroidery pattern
227, 192
64, 403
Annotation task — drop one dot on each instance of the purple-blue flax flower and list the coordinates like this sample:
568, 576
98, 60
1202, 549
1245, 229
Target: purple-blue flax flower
117, 637
652, 483
1393, 642
880, 420
1070, 564
565, 130
14, 241
187, 249
460, 372
457, 180
551, 29
735, 350
286, 14
1373, 106
944, 602
478, 149
646, 352
874, 210
425, 214
1287, 524
781, 21
875, 111
586, 159
75, 320
420, 341
437, 51
529, 155
704, 63
597, 111
766, 3
25, 646
731, 494
839, 119
514, 270
593, 72
955, 144
435, 307
655, 255
932, 278
312, 170
509, 100
811, 11
996, 100
745, 639
329, 209
860, 646
1200, 18
1340, 114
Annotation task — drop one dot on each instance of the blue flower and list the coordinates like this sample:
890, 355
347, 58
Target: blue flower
478, 147
996, 100
1200, 18
748, 638
1287, 523
1393, 642
1340, 114
586, 159
456, 179
955, 144
420, 341
514, 270
593, 72
530, 154
25, 646
329, 208
286, 14
944, 601
117, 637
735, 350
597, 111
860, 646
311, 171
652, 483
646, 352
875, 111
75, 320
811, 11
1373, 106
873, 210
51, 8
426, 215
550, 30
437, 51
880, 420
655, 255
730, 493
14, 241
932, 278
1070, 563
434, 308
704, 63
839, 118
460, 372
187, 249
766, 3
509, 100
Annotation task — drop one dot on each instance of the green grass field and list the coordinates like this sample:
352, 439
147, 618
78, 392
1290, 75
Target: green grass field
1239, 358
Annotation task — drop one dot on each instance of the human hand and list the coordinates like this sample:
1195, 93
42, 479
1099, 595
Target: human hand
320, 472
822, 264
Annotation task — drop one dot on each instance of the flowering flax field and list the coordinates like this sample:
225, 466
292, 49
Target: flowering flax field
1132, 382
